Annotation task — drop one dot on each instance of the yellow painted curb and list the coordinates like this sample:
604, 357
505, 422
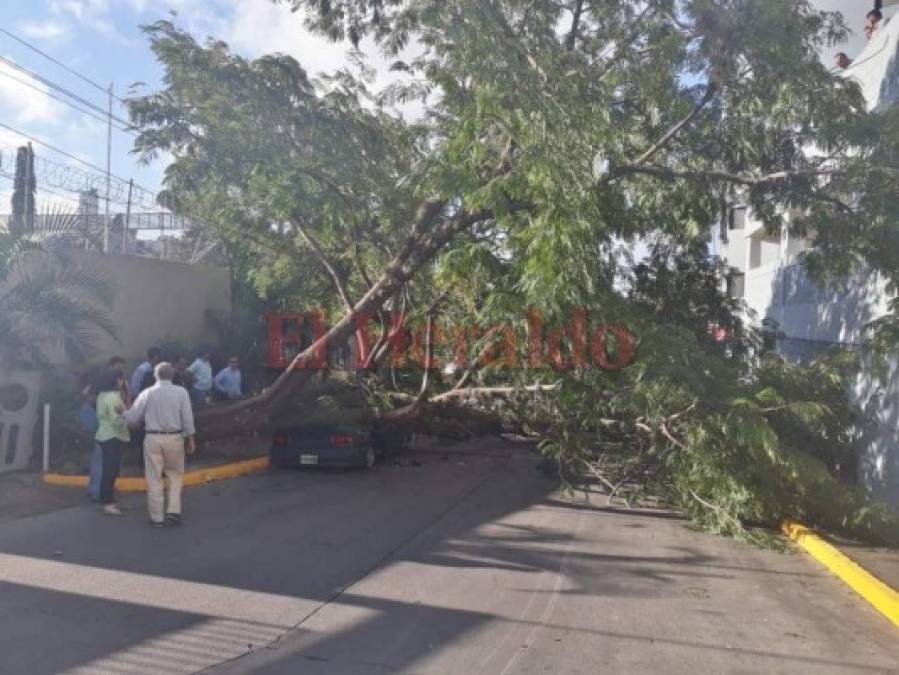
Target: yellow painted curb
872, 589
191, 478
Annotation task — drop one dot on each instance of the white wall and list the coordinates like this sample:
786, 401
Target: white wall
813, 318
876, 390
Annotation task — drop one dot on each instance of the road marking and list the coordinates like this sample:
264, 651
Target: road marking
187, 650
270, 612
550, 607
883, 598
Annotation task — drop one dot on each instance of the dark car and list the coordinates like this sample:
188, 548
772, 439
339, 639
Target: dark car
345, 446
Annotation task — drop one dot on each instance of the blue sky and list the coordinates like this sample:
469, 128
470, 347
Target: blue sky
102, 40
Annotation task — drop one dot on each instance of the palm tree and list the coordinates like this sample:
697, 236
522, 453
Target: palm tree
48, 300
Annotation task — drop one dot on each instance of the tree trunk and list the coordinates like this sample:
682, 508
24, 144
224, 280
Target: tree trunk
421, 245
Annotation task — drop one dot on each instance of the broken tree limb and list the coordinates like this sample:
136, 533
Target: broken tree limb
485, 351
494, 391
421, 245
339, 282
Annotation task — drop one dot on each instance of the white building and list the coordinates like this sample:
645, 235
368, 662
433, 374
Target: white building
770, 278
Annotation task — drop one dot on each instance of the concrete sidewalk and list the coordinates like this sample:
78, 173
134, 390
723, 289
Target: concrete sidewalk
24, 494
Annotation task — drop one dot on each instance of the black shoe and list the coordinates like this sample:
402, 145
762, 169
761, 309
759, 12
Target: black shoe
157, 523
173, 519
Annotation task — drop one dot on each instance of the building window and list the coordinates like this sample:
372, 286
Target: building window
764, 249
736, 284
736, 218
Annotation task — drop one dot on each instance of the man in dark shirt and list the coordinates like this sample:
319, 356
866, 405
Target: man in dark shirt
182, 377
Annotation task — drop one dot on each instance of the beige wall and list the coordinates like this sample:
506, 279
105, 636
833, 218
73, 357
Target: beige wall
160, 300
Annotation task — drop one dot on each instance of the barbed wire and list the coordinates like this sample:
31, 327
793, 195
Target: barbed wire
74, 179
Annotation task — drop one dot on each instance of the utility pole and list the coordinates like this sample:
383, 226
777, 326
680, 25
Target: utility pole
127, 218
108, 171
30, 209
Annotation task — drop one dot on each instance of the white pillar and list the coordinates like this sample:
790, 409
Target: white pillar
46, 438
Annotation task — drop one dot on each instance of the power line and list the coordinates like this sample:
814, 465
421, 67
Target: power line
58, 63
53, 148
66, 102
60, 88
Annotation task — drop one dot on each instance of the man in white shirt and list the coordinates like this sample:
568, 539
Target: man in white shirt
166, 413
201, 370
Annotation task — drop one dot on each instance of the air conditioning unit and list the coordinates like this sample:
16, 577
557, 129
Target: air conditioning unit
19, 392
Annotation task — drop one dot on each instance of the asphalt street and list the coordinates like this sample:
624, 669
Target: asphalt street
455, 563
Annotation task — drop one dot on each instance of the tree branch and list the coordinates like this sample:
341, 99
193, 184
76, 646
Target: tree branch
626, 44
429, 354
250, 413
673, 131
316, 247
485, 350
571, 38
741, 179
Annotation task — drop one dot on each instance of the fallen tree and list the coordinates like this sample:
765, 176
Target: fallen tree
538, 155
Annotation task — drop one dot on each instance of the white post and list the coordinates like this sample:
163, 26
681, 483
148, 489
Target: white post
46, 438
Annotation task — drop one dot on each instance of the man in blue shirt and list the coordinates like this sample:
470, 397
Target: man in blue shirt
227, 382
135, 385
201, 371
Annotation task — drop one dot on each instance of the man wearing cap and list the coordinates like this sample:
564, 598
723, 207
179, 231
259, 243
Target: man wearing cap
166, 413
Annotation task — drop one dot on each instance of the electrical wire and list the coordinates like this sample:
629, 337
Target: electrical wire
66, 102
61, 89
58, 63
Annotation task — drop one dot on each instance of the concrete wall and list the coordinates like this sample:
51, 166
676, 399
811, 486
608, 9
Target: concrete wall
812, 319
876, 390
159, 300
155, 300
836, 314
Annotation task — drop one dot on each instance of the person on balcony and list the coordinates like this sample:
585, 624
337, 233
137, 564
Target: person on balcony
874, 17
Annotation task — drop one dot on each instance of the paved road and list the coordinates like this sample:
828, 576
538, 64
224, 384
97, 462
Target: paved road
469, 563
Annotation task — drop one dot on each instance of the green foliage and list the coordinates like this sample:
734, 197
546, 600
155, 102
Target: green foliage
47, 299
578, 134
263, 152
732, 438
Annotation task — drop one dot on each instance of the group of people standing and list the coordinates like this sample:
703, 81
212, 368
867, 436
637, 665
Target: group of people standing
154, 411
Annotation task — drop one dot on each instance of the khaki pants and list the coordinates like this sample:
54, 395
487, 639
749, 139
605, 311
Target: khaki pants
163, 453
